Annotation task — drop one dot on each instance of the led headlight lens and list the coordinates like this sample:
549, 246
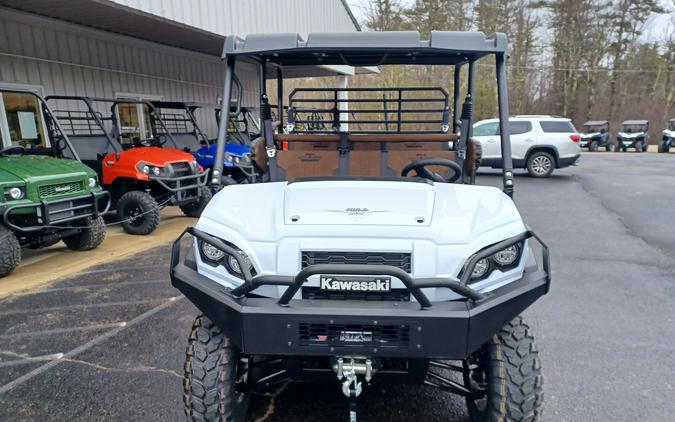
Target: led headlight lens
211, 252
481, 268
92, 182
506, 256
229, 158
15, 193
156, 171
234, 264
145, 169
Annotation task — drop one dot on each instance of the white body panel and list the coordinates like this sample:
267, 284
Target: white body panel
669, 133
523, 142
627, 139
441, 225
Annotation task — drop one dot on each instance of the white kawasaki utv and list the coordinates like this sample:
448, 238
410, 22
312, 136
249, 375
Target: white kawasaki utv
368, 256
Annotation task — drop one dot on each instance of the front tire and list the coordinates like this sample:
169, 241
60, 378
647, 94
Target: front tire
639, 146
10, 251
138, 212
540, 164
593, 147
210, 376
194, 209
609, 147
88, 238
508, 371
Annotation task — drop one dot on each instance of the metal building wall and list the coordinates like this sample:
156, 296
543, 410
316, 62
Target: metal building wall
242, 17
69, 59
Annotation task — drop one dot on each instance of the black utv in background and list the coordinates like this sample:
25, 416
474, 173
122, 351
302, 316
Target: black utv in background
668, 138
634, 134
596, 136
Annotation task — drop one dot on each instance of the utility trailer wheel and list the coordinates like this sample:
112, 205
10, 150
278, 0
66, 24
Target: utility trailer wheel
507, 372
540, 164
194, 209
139, 212
10, 251
210, 376
88, 238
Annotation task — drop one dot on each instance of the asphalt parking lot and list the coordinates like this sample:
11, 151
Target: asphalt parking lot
108, 343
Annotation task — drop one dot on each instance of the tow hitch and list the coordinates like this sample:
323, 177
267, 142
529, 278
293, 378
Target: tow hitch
348, 371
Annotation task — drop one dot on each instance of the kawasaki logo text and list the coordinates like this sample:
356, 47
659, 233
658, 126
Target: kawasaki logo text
371, 285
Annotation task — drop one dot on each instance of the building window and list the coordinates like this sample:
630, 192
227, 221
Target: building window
21, 121
134, 119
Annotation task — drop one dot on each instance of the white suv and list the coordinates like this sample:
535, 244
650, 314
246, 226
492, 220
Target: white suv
539, 144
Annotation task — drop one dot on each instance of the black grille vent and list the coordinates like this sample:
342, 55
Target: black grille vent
181, 169
395, 259
354, 335
394, 295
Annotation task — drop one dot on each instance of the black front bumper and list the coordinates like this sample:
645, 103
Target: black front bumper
439, 330
58, 212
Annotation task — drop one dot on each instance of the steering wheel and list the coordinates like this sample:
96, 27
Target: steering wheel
420, 168
159, 140
13, 150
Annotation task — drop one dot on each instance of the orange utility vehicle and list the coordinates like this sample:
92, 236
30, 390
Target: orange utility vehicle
140, 166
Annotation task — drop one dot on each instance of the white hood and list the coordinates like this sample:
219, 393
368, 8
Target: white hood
441, 212
630, 135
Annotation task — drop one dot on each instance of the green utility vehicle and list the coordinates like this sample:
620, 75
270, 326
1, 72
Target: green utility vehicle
46, 193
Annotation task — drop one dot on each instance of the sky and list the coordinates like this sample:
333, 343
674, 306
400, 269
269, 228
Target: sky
656, 29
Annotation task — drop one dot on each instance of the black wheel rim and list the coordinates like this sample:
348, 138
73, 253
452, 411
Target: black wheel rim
133, 214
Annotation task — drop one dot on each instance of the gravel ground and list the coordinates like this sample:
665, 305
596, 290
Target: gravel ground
108, 344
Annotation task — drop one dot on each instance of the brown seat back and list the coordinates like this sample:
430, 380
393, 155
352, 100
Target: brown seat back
311, 155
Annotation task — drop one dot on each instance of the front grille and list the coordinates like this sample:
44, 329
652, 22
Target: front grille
395, 259
181, 169
354, 335
57, 189
394, 295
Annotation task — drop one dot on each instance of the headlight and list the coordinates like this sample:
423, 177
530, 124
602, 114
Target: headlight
156, 171
92, 182
212, 253
229, 158
481, 268
14, 193
233, 264
214, 256
145, 169
503, 260
506, 256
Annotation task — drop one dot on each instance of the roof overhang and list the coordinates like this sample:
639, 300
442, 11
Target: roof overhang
635, 122
113, 17
596, 123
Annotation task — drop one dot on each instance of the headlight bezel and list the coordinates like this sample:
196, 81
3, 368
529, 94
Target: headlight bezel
494, 264
151, 170
10, 197
225, 259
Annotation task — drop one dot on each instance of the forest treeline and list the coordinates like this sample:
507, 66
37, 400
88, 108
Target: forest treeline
584, 59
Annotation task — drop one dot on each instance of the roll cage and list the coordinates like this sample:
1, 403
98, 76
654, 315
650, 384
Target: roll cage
596, 125
640, 125
92, 122
274, 52
59, 144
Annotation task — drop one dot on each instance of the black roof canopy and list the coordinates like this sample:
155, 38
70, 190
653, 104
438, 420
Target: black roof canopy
366, 48
596, 123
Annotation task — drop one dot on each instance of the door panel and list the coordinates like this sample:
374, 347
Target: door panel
486, 134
